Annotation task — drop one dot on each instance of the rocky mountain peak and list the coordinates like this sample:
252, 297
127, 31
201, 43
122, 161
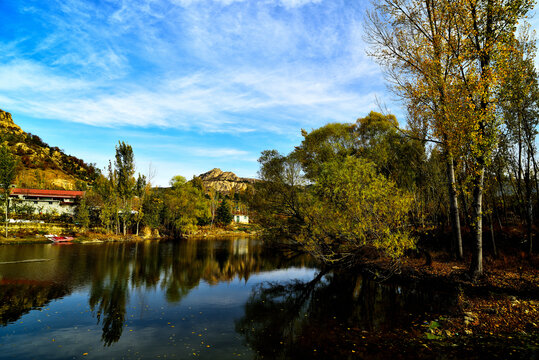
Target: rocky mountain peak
217, 174
7, 124
224, 181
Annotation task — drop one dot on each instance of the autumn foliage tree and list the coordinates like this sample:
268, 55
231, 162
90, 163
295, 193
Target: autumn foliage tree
330, 199
446, 59
351, 208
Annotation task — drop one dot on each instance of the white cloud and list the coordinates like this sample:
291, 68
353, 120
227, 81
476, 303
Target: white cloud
209, 101
298, 3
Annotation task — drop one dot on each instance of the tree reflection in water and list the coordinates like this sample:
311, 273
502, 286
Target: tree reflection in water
18, 297
175, 268
292, 319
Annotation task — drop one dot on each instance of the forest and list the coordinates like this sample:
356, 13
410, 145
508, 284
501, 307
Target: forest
464, 164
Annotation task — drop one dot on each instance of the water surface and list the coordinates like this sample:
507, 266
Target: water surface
212, 299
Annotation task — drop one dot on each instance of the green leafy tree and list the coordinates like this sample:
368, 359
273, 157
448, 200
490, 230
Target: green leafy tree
82, 214
142, 189
183, 205
278, 202
8, 171
223, 214
334, 140
344, 209
125, 170
351, 208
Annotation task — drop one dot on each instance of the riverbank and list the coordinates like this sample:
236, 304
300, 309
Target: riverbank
231, 231
30, 237
496, 316
37, 236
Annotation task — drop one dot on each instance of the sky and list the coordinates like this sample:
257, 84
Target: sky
190, 84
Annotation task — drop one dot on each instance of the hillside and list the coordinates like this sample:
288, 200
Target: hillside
225, 181
43, 166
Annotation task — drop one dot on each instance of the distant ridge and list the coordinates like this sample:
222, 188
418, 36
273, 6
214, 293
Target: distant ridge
225, 181
43, 166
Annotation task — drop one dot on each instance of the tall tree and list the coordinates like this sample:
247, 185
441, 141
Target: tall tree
142, 189
82, 214
184, 205
519, 101
411, 41
8, 168
223, 214
125, 170
446, 59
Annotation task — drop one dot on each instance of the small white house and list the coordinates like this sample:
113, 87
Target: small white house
241, 219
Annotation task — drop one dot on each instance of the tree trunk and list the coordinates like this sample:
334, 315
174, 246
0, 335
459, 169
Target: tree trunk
6, 215
476, 266
502, 192
464, 205
454, 209
529, 209
492, 238
138, 222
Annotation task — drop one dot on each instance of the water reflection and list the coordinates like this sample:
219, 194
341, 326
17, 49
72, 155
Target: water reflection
114, 271
290, 319
18, 297
213, 298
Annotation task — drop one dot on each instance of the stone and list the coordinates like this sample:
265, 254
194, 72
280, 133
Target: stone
225, 181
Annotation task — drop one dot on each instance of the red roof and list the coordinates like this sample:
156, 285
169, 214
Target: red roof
47, 193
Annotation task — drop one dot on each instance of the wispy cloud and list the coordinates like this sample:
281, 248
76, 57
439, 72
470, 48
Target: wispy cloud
205, 100
258, 70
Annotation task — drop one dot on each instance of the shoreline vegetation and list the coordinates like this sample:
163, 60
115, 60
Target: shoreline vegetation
29, 236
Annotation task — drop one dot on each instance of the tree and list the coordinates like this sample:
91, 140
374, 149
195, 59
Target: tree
8, 171
125, 170
278, 202
345, 208
519, 100
183, 205
352, 208
445, 59
323, 144
214, 203
82, 215
223, 214
142, 188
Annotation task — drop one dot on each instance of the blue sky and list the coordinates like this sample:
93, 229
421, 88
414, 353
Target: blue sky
190, 84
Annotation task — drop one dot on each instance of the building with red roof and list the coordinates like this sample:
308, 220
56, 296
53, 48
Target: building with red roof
57, 202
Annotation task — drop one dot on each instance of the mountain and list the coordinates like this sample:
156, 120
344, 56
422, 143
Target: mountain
225, 181
42, 166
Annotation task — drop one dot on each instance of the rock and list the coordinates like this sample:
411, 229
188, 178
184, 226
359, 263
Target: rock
7, 124
225, 181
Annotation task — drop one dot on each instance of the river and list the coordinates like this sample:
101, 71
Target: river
209, 299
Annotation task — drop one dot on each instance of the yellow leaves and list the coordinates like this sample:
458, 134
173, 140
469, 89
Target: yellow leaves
356, 207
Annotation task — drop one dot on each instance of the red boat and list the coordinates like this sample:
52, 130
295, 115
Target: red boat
57, 239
